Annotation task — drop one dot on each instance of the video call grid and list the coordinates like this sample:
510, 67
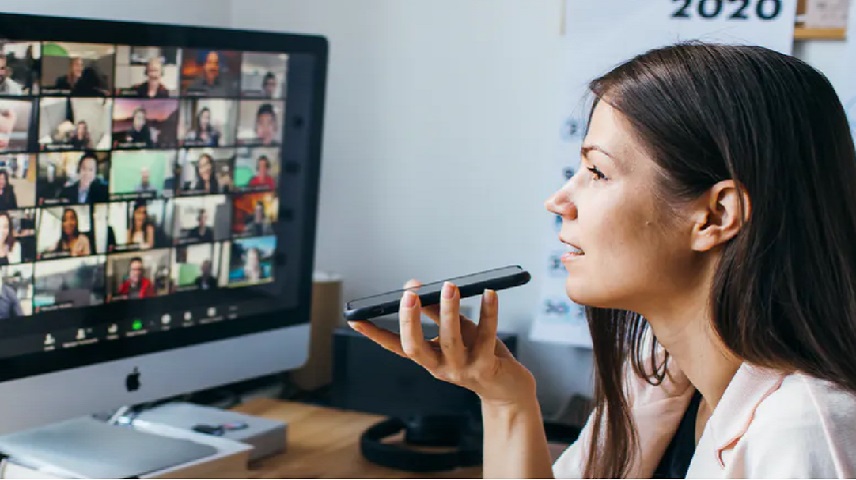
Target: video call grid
97, 251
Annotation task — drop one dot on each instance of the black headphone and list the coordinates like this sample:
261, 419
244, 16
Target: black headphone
458, 432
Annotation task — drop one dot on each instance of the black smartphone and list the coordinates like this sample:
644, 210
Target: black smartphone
429, 294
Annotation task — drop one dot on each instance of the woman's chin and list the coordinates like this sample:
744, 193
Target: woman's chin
583, 293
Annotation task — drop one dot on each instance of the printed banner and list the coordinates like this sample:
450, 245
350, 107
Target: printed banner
600, 35
846, 84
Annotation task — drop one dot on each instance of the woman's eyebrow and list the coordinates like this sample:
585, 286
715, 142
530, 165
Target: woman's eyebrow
585, 149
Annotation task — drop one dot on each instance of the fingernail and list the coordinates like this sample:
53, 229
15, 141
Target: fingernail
409, 299
490, 296
354, 325
448, 290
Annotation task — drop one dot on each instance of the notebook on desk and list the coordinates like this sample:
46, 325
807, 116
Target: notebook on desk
87, 448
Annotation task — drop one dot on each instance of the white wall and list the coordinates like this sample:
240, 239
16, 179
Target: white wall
198, 12
440, 122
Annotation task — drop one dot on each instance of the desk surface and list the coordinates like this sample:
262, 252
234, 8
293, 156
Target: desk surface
324, 443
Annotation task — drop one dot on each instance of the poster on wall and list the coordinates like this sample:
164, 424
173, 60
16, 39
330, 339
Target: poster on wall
846, 84
599, 36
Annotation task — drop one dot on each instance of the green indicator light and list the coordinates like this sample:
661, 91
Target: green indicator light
138, 324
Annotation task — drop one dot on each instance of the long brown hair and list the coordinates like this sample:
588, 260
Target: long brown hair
784, 290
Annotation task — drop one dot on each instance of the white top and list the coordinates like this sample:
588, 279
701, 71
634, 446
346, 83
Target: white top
767, 424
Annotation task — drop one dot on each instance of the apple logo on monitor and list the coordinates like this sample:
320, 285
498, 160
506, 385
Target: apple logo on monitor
132, 381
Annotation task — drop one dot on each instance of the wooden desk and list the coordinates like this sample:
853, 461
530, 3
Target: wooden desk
324, 443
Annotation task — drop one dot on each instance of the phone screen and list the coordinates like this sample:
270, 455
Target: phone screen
433, 287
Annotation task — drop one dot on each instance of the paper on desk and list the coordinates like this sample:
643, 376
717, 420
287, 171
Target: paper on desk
597, 37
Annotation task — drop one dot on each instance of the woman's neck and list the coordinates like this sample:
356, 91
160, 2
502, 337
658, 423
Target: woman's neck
683, 325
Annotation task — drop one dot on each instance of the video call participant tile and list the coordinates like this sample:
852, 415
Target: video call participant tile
73, 177
197, 267
64, 231
17, 130
90, 128
208, 122
18, 173
145, 123
205, 170
138, 275
210, 73
201, 219
18, 236
147, 72
250, 260
19, 66
263, 75
142, 174
140, 224
260, 122
16, 291
257, 169
77, 69
69, 283
254, 214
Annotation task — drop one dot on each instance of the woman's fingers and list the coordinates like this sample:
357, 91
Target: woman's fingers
451, 341
382, 337
485, 345
413, 341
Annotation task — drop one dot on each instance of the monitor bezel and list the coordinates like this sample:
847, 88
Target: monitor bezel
25, 27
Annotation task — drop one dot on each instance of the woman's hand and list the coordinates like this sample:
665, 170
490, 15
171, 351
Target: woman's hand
464, 354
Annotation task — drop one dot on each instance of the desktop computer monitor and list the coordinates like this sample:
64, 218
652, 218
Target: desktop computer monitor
158, 196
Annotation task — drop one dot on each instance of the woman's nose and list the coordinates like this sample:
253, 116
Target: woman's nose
561, 204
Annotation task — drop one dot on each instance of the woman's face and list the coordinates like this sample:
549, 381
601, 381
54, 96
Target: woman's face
2, 181
253, 259
5, 228
154, 71
627, 248
139, 119
87, 172
139, 216
76, 68
69, 222
205, 168
204, 119
8, 117
266, 128
263, 169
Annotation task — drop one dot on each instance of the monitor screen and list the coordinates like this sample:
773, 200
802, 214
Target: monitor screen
157, 189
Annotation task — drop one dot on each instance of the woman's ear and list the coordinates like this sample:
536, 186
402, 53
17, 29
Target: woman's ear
720, 214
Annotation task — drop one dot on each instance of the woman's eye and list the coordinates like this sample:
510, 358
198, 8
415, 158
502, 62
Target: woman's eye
596, 174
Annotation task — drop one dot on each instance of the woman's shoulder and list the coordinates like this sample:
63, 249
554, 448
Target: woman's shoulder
806, 400
807, 423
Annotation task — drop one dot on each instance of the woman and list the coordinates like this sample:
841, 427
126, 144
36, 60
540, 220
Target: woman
206, 181
140, 134
142, 232
71, 240
81, 139
69, 80
152, 86
204, 134
8, 200
10, 250
252, 266
709, 233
